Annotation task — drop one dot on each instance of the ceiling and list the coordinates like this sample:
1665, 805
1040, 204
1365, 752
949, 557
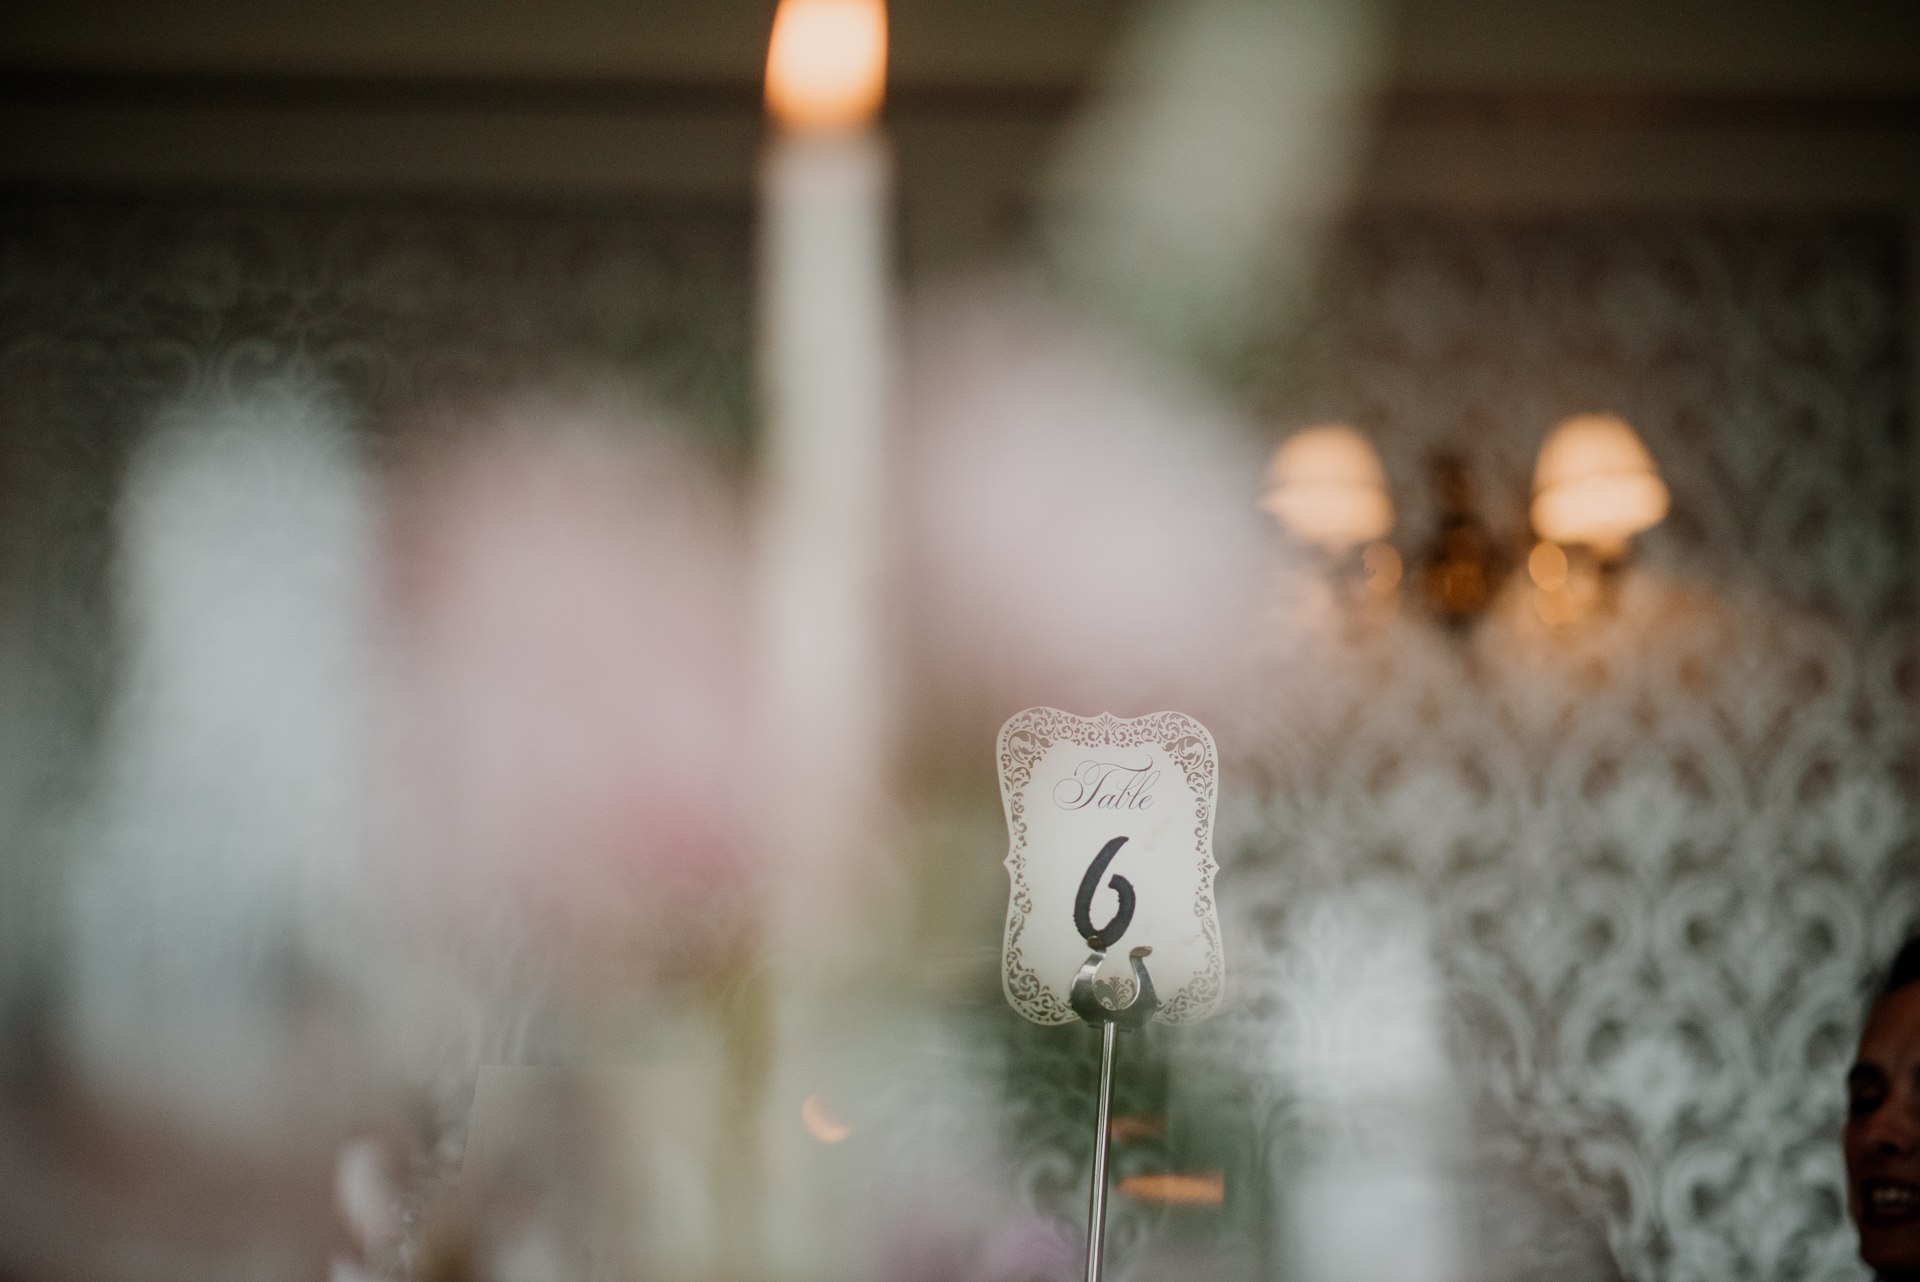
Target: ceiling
1503, 105
1869, 47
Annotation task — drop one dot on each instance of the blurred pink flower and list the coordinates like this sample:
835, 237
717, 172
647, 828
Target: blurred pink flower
570, 676
1082, 533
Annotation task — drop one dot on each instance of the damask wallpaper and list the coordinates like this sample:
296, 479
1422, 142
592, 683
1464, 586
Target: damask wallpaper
114, 306
1645, 864
1658, 852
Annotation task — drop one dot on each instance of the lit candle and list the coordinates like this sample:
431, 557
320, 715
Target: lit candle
824, 381
824, 364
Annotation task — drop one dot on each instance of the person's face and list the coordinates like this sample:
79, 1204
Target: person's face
1883, 1136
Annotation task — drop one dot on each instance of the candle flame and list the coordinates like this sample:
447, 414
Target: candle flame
827, 63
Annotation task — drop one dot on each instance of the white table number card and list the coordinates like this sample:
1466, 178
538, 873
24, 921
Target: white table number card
1110, 840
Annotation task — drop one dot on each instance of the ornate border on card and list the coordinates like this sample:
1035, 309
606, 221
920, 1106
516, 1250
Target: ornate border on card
1024, 739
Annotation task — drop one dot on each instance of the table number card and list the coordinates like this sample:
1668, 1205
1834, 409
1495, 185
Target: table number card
1110, 846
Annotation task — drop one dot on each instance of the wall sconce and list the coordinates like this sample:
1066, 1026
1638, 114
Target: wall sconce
1594, 487
1464, 568
1595, 484
1325, 484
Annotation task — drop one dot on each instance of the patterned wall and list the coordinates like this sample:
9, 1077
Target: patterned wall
1661, 850
1656, 853
114, 306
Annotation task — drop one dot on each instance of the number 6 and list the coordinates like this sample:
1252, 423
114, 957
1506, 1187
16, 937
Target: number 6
1108, 935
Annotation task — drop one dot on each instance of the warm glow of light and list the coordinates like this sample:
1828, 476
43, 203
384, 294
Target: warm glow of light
1326, 485
1596, 484
1136, 1128
1570, 587
1571, 602
1383, 567
1548, 565
827, 63
820, 1123
1207, 1188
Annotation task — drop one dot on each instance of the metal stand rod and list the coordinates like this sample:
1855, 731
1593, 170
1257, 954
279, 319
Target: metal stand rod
1088, 1006
1097, 1204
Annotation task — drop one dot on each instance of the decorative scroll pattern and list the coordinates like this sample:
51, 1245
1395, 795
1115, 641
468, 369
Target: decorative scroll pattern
1023, 741
1663, 850
111, 307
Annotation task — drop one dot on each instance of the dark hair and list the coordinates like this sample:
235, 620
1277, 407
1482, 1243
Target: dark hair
1905, 970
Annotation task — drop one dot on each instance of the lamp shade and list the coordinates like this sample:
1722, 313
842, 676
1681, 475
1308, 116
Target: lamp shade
1596, 484
1325, 484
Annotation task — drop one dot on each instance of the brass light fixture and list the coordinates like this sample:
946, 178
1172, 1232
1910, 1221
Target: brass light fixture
1594, 487
1464, 568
